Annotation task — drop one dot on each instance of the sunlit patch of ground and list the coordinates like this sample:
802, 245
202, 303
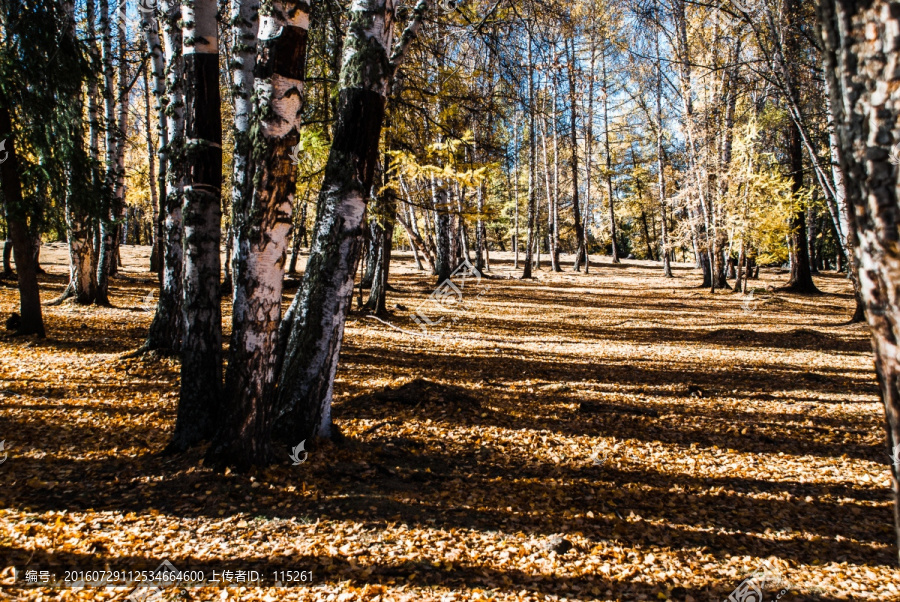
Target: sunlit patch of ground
676, 439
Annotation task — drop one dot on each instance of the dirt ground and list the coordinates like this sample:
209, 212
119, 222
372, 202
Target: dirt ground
606, 436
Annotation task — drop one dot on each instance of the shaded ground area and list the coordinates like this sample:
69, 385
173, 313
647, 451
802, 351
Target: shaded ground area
676, 439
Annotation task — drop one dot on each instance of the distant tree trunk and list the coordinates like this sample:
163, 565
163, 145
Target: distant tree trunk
442, 229
516, 150
608, 150
201, 348
167, 327
416, 240
660, 164
299, 236
154, 199
647, 236
860, 50
373, 241
261, 226
150, 25
554, 203
314, 325
811, 235
7, 258
532, 188
378, 293
573, 131
32, 320
801, 277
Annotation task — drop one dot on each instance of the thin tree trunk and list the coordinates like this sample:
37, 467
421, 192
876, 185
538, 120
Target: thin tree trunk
532, 189
554, 204
201, 361
167, 327
660, 165
573, 131
154, 199
107, 219
608, 151
299, 235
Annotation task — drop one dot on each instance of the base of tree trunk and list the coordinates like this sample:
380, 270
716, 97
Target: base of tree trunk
800, 288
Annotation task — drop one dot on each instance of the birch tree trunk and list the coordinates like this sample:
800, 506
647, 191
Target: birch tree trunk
261, 226
167, 327
861, 46
150, 26
314, 325
120, 224
660, 164
201, 359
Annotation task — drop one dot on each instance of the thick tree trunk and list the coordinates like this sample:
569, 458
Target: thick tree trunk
314, 326
861, 46
201, 360
261, 227
167, 327
32, 320
82, 281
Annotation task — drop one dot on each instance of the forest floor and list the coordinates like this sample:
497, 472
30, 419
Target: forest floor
675, 440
